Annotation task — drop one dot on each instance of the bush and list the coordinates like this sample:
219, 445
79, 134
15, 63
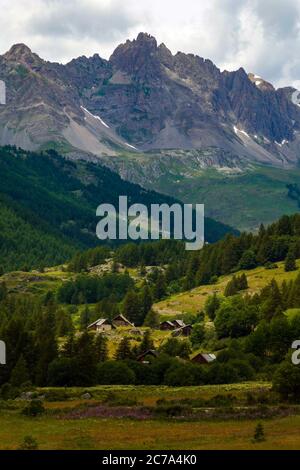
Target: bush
115, 373
259, 433
170, 410
34, 408
222, 400
56, 395
62, 372
113, 399
180, 375
244, 370
8, 392
29, 443
222, 374
286, 381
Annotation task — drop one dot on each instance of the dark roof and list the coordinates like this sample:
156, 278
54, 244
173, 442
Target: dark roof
168, 322
121, 317
98, 322
150, 352
182, 328
180, 323
209, 357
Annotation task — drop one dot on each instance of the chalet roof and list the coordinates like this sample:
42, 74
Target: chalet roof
99, 322
180, 323
150, 352
168, 322
121, 317
209, 357
183, 328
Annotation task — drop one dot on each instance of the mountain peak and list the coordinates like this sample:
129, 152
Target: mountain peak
146, 38
137, 56
18, 50
20, 53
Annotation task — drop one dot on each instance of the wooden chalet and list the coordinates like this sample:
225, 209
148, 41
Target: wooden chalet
185, 330
145, 357
204, 358
169, 325
100, 326
121, 321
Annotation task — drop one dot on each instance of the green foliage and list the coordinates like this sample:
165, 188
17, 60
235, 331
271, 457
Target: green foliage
152, 319
29, 443
34, 408
259, 433
20, 374
290, 261
177, 348
124, 351
198, 334
212, 304
237, 316
115, 373
92, 289
236, 285
286, 381
248, 260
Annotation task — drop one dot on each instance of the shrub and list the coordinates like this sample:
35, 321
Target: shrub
34, 408
56, 395
115, 373
244, 370
170, 410
259, 433
286, 381
8, 392
29, 443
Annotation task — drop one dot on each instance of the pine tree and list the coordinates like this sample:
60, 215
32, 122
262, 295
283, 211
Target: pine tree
132, 308
86, 361
160, 287
146, 343
146, 301
69, 346
85, 318
152, 319
231, 288
101, 348
259, 433
290, 261
294, 296
243, 282
124, 350
211, 306
20, 374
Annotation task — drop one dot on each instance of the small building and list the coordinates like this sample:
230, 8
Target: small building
121, 321
167, 326
101, 325
179, 323
185, 330
145, 357
204, 358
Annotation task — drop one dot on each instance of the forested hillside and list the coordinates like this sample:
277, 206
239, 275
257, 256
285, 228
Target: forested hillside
48, 207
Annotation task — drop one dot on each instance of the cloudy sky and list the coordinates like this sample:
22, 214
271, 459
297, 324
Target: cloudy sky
263, 36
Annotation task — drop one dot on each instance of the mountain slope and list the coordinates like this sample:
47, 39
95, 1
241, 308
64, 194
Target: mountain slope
48, 206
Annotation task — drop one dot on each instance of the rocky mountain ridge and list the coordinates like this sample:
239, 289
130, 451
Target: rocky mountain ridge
144, 99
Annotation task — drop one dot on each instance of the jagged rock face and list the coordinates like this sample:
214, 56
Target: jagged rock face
146, 97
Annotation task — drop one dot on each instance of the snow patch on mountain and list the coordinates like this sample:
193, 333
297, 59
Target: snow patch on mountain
95, 117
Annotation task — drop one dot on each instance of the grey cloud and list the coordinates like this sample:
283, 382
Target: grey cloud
77, 19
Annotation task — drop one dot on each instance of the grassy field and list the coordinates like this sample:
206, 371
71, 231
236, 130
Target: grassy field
242, 200
193, 301
56, 430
